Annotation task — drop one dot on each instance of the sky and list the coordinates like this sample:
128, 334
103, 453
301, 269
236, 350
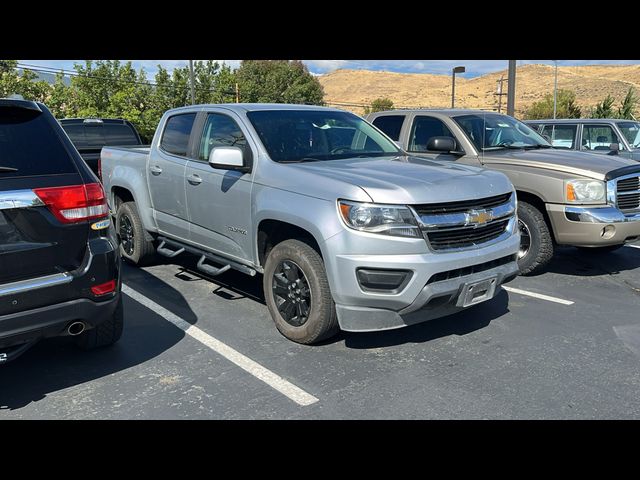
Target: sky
474, 68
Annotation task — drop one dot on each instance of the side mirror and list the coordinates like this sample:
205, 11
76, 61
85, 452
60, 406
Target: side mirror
442, 144
615, 148
228, 158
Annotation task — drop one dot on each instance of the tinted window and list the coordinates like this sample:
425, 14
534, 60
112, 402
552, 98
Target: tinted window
175, 138
29, 142
562, 136
390, 124
220, 131
119, 134
94, 136
295, 135
598, 138
423, 129
76, 135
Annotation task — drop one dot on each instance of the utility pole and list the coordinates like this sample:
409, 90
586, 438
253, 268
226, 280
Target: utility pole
511, 88
500, 93
191, 81
555, 91
237, 93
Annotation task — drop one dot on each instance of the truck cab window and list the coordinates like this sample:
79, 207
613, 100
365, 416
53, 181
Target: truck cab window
220, 131
423, 129
175, 138
390, 124
599, 138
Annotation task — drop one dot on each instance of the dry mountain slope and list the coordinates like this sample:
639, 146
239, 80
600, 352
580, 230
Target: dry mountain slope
590, 83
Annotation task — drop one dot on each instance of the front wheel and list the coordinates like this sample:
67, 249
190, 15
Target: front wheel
536, 243
297, 293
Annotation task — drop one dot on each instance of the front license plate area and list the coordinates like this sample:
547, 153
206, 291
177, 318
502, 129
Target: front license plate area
477, 292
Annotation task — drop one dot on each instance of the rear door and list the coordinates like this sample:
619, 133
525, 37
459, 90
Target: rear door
34, 155
166, 175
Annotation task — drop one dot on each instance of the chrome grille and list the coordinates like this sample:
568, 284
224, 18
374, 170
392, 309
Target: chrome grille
465, 224
628, 193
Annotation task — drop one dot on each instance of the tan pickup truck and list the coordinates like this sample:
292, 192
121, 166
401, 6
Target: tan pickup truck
564, 197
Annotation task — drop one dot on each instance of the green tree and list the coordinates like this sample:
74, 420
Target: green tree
59, 101
603, 109
278, 81
378, 105
628, 106
565, 106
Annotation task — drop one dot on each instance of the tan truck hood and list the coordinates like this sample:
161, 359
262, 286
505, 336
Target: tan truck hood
592, 165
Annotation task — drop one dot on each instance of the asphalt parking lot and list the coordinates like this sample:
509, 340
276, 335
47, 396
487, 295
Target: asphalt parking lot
198, 348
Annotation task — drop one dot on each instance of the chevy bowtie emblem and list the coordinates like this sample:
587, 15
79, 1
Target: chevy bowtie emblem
478, 217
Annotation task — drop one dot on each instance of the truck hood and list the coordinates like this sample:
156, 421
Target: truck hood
407, 180
592, 165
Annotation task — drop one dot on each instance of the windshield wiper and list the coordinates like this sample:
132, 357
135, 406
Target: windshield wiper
534, 147
8, 169
301, 160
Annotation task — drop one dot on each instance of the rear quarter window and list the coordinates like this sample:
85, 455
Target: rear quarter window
390, 124
30, 143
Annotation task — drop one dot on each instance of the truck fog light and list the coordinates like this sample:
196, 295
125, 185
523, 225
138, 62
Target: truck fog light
608, 232
384, 281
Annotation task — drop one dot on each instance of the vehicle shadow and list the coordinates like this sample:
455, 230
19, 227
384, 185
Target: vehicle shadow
572, 261
462, 323
56, 364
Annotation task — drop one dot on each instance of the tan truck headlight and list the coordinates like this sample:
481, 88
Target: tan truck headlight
394, 220
585, 191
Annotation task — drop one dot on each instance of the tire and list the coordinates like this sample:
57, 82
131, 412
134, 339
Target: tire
540, 249
314, 315
141, 250
603, 249
105, 334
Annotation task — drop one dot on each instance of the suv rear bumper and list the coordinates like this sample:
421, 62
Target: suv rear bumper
585, 226
53, 320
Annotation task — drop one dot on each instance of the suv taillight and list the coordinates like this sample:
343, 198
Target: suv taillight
75, 203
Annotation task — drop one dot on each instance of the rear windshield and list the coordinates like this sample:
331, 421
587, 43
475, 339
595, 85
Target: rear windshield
99, 135
30, 144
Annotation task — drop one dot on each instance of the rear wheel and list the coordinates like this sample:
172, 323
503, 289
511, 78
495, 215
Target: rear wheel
105, 334
134, 245
297, 293
536, 243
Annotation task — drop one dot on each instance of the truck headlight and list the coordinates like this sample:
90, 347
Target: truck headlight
585, 191
393, 220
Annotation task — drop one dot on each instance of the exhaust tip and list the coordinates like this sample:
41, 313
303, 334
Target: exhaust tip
76, 328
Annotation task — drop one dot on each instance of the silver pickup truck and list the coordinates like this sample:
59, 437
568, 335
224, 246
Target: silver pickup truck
564, 198
347, 230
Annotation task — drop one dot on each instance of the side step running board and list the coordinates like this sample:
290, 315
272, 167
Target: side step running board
165, 252
209, 270
204, 256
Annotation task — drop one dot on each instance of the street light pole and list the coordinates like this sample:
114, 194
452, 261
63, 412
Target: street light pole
453, 83
555, 91
511, 88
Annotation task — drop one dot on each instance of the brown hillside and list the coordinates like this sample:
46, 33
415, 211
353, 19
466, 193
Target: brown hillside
590, 84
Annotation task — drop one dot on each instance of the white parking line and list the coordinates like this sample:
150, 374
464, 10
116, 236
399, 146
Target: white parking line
276, 382
633, 246
538, 295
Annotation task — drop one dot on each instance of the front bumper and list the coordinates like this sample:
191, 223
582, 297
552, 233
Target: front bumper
592, 226
419, 300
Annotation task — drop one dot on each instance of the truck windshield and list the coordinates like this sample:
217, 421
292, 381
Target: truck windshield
631, 131
494, 132
314, 135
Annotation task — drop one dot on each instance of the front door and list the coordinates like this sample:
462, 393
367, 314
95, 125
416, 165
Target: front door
166, 173
219, 201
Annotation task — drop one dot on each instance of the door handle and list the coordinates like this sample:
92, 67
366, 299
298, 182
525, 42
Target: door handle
194, 179
156, 170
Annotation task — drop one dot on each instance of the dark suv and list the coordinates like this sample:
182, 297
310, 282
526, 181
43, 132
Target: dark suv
89, 135
59, 261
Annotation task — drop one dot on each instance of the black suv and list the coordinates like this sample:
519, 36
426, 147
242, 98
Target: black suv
89, 135
59, 261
